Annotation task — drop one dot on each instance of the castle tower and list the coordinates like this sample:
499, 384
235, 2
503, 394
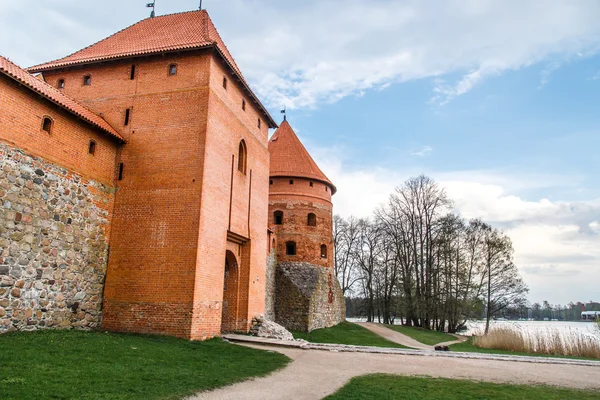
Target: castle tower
187, 239
307, 293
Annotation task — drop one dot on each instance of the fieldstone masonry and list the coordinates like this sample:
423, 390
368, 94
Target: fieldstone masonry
53, 244
308, 297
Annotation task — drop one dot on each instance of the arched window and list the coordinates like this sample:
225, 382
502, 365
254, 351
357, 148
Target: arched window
312, 220
323, 251
87, 80
92, 147
242, 157
290, 248
278, 217
61, 84
47, 124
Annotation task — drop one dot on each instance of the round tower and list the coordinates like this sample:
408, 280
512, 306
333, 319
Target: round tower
307, 293
300, 209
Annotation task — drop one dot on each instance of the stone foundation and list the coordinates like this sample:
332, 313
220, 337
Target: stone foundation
53, 244
270, 287
308, 297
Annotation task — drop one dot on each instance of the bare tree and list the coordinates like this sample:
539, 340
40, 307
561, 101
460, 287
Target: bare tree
346, 240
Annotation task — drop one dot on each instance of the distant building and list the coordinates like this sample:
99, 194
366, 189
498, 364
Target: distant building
135, 196
590, 315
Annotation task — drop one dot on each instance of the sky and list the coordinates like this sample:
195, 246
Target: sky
498, 101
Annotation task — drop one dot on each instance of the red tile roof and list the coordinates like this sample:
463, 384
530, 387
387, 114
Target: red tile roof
290, 158
175, 32
52, 94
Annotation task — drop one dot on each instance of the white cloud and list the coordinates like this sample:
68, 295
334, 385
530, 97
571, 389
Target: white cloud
422, 152
303, 54
557, 243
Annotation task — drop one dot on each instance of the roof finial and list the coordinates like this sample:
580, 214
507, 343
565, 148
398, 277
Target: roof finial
284, 113
151, 5
200, 8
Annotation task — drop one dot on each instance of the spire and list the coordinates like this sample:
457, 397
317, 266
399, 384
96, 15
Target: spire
289, 158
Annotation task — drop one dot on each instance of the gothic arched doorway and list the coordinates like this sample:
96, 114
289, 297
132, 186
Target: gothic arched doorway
229, 316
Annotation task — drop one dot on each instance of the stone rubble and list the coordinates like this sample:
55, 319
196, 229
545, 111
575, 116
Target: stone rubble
268, 329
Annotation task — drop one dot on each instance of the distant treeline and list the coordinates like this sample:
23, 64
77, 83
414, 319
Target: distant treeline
417, 260
356, 308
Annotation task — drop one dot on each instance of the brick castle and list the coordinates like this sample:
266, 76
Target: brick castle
139, 192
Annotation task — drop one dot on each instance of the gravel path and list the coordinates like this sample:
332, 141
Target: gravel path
314, 374
404, 340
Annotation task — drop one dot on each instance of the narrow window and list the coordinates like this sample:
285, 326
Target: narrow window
92, 147
291, 181
259, 123
132, 73
173, 69
87, 80
242, 157
323, 251
243, 105
310, 184
121, 167
326, 188
127, 115
290, 248
47, 125
61, 84
278, 217
312, 220
224, 83
270, 181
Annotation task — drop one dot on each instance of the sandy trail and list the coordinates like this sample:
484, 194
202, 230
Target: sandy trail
314, 374
402, 339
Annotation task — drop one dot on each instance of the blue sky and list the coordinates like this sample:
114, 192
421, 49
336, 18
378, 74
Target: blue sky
499, 101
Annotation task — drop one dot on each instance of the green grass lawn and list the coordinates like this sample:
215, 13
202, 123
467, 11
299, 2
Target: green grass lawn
424, 336
98, 365
470, 348
346, 333
393, 387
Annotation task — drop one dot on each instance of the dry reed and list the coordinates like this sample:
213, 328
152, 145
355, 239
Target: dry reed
554, 342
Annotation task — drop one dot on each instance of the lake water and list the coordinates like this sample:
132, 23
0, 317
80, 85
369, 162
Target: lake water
532, 328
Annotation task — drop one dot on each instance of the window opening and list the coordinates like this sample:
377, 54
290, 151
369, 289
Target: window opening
224, 83
87, 80
310, 184
278, 217
47, 125
121, 167
243, 105
290, 248
312, 220
242, 157
127, 116
61, 84
291, 181
172, 69
323, 251
92, 147
270, 181
259, 123
132, 74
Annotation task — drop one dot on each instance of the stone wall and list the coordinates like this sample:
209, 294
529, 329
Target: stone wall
308, 297
53, 242
270, 287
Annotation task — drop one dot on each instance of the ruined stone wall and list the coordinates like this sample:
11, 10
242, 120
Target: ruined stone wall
308, 297
53, 244
270, 286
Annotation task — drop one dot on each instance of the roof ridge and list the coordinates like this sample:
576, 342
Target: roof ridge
51, 92
114, 34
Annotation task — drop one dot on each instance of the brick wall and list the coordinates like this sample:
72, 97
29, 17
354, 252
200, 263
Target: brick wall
297, 201
173, 209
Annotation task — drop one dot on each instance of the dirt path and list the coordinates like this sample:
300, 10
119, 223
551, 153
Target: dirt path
314, 374
400, 338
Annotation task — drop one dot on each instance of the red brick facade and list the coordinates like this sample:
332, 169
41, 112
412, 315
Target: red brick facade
189, 217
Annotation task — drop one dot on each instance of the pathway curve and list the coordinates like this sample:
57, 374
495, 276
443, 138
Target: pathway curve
404, 340
314, 374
